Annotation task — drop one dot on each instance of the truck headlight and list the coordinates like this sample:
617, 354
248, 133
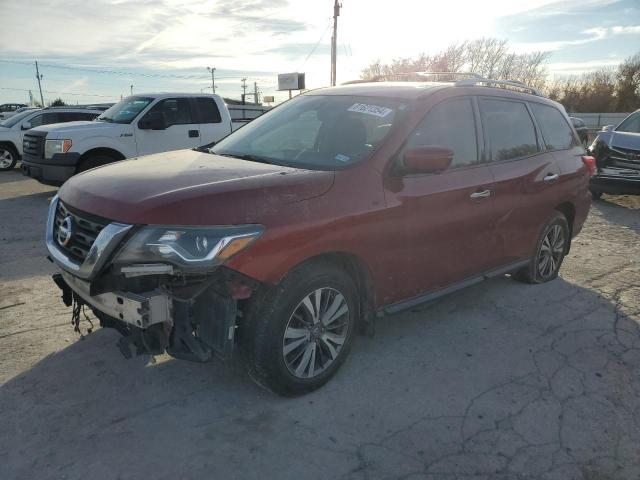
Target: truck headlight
52, 147
187, 247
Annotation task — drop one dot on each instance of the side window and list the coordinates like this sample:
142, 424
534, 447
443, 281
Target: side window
450, 124
176, 111
555, 130
50, 117
36, 121
208, 110
508, 128
75, 116
631, 124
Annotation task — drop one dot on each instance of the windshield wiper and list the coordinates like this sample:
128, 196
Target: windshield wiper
246, 156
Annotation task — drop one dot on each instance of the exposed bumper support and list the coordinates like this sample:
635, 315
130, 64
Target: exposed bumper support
138, 310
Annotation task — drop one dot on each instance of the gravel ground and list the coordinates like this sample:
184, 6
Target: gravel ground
502, 380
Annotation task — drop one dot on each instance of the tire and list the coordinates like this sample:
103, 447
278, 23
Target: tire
8, 158
539, 271
94, 161
284, 350
596, 195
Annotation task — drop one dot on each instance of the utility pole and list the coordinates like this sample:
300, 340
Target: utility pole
39, 77
131, 89
244, 89
334, 40
213, 78
255, 92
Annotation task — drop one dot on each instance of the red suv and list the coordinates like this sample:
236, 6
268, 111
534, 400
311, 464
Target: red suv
339, 206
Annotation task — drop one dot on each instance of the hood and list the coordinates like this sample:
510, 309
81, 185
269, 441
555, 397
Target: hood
82, 126
186, 187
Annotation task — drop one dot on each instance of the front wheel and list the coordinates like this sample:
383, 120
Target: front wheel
550, 251
297, 338
8, 158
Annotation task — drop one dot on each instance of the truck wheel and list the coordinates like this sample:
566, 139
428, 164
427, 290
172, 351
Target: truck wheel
550, 251
8, 158
297, 338
94, 161
596, 195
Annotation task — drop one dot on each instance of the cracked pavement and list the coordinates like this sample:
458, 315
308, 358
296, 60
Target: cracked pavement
502, 380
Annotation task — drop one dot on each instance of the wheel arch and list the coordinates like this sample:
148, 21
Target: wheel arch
361, 274
10, 144
569, 212
111, 152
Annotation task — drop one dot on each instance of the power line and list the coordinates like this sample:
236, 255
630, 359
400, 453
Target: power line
119, 72
316, 45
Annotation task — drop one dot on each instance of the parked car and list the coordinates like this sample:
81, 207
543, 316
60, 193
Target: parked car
6, 115
337, 207
581, 129
13, 129
617, 154
138, 125
8, 109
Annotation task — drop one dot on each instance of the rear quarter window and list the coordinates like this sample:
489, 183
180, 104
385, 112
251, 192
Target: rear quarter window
208, 110
508, 128
555, 130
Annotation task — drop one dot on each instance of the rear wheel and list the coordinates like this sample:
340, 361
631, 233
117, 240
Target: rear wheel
297, 339
596, 195
8, 158
550, 251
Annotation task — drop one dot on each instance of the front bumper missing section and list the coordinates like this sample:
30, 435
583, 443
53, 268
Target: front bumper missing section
138, 310
192, 323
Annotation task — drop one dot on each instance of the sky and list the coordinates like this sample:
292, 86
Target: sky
100, 50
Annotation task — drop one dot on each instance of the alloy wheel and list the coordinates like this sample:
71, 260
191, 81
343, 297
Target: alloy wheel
551, 252
6, 158
316, 332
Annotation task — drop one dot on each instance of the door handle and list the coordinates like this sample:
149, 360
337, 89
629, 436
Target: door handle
194, 133
551, 177
483, 194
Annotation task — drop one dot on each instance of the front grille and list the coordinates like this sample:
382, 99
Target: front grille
84, 232
33, 145
625, 158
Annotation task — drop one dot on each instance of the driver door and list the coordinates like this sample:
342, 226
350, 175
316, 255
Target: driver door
182, 128
442, 223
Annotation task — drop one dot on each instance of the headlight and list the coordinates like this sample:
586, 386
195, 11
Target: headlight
187, 247
52, 147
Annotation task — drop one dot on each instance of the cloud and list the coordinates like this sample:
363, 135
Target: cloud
626, 30
593, 35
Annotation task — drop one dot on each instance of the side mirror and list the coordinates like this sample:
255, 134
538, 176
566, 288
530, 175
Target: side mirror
153, 121
608, 128
26, 126
427, 159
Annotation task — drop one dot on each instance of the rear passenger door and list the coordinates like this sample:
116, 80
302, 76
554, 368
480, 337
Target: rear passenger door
182, 128
211, 127
523, 172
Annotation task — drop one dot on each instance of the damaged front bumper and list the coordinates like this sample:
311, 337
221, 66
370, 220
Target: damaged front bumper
157, 307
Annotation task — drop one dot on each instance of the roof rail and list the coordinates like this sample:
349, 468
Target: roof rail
423, 76
506, 84
469, 80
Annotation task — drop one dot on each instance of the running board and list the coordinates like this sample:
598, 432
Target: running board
427, 297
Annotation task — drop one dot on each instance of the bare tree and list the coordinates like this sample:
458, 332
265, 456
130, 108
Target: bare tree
488, 57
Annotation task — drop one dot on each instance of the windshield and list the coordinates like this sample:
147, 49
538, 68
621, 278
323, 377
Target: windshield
315, 131
125, 110
631, 124
17, 118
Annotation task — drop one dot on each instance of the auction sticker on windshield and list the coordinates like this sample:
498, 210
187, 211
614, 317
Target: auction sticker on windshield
370, 109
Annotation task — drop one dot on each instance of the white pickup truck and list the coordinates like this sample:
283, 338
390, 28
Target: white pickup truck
138, 125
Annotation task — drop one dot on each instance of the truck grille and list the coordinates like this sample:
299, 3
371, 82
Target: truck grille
33, 145
625, 158
84, 232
